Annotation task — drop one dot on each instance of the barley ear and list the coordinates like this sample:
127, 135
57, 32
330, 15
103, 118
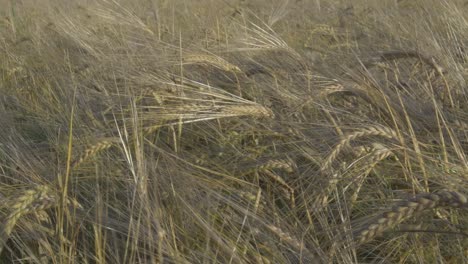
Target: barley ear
37, 199
93, 151
292, 241
256, 111
384, 132
408, 209
211, 60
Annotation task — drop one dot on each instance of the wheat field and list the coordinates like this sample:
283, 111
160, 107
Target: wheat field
212, 131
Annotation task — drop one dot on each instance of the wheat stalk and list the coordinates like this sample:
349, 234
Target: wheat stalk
409, 208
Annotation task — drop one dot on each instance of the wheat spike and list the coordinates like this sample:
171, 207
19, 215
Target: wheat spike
93, 150
460, 125
151, 129
256, 111
36, 199
366, 132
295, 243
40, 198
380, 153
212, 60
409, 208
282, 164
376, 156
330, 89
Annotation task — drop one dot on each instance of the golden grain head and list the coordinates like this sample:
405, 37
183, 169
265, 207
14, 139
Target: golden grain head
212, 60
409, 208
